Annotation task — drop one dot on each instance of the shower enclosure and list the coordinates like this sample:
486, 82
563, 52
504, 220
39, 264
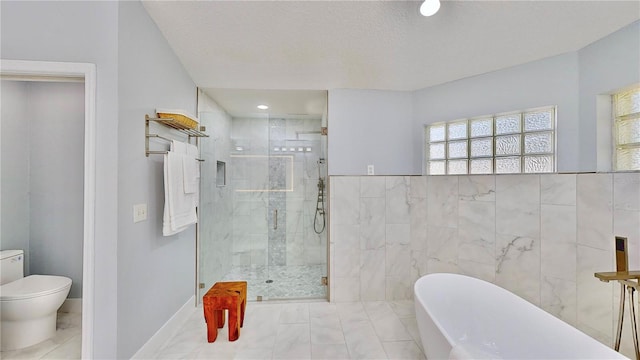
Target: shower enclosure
275, 222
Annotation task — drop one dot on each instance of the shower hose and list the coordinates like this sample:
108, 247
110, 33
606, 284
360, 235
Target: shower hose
319, 222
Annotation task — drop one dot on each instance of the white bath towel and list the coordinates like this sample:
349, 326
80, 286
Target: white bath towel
178, 147
191, 166
191, 171
179, 207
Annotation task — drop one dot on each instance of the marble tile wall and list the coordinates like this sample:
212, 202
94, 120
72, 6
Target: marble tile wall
216, 202
539, 236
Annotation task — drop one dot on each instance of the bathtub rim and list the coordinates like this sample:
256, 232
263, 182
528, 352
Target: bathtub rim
451, 340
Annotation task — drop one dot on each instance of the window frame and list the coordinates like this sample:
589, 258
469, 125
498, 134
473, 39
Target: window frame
494, 157
615, 124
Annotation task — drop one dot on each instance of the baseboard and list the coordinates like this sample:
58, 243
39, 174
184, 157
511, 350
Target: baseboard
72, 306
149, 349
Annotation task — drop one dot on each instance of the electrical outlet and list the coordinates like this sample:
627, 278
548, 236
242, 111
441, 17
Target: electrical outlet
370, 170
139, 212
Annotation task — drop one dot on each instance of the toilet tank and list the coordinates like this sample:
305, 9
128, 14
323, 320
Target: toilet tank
11, 265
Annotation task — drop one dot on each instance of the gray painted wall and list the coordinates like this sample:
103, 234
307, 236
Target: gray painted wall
605, 66
370, 127
56, 167
81, 32
155, 274
386, 129
14, 183
550, 81
141, 278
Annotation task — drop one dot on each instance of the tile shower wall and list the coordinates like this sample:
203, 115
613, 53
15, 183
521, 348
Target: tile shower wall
216, 201
255, 241
540, 236
277, 200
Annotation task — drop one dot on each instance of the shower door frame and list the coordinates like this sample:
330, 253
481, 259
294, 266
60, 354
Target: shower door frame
286, 190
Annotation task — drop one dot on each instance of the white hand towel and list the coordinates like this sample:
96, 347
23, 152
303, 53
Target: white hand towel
179, 208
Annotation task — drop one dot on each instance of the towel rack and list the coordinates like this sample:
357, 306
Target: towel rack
174, 125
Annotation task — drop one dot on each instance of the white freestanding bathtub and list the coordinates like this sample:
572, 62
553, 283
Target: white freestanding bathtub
460, 317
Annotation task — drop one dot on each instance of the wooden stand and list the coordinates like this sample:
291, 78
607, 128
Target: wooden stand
231, 296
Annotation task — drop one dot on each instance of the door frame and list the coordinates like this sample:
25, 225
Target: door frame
32, 70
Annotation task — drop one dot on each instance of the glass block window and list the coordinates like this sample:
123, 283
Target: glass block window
626, 108
519, 142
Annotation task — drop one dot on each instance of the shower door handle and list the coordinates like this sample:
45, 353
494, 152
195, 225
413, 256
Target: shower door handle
275, 219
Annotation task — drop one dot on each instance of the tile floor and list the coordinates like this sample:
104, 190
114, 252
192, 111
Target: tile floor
66, 344
306, 330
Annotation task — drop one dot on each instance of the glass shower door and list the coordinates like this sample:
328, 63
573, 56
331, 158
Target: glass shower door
297, 254
265, 233
280, 185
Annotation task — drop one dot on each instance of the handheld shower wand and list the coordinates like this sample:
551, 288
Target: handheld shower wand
319, 222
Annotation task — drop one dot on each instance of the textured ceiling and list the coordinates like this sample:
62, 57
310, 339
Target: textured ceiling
321, 45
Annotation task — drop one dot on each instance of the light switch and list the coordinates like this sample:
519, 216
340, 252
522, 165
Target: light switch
139, 212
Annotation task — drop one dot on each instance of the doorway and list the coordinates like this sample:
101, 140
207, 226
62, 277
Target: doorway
86, 74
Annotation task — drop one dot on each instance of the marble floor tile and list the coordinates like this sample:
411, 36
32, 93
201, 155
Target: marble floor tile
403, 350
71, 349
386, 323
362, 341
257, 339
332, 331
411, 324
293, 334
326, 330
32, 352
403, 308
351, 312
292, 342
329, 351
218, 351
295, 314
258, 354
322, 309
296, 351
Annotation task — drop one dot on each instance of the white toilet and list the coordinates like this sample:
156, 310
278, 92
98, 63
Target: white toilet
29, 305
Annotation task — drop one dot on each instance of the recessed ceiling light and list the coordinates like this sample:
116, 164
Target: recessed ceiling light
429, 7
263, 107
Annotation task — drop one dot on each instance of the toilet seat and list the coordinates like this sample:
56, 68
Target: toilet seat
33, 286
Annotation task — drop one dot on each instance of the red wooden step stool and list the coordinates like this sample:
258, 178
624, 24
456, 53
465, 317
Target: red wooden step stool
226, 295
